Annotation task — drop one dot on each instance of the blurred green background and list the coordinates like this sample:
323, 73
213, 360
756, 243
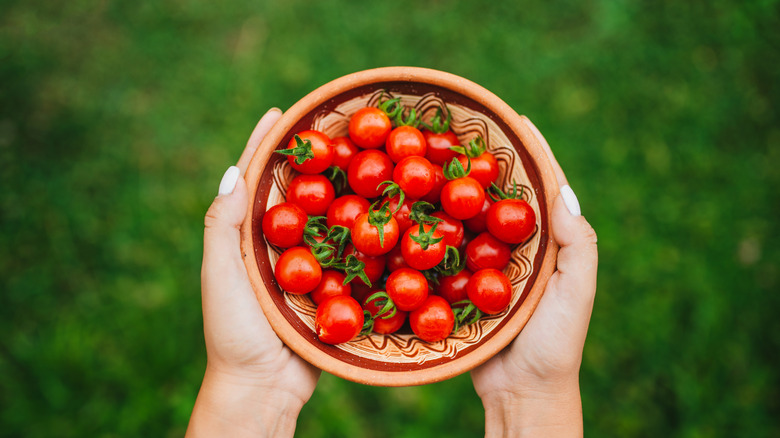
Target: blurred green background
117, 120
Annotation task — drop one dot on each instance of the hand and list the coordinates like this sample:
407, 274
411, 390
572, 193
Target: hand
253, 384
532, 386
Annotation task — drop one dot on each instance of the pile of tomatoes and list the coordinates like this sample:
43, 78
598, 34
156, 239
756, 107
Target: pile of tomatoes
398, 221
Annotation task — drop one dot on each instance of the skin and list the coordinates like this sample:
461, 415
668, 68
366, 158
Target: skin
256, 386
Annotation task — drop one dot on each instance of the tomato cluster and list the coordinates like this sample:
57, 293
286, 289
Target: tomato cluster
414, 229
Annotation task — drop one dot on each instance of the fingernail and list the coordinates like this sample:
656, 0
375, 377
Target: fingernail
229, 180
570, 200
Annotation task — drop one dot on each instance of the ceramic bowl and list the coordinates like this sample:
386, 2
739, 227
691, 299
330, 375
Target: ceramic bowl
403, 359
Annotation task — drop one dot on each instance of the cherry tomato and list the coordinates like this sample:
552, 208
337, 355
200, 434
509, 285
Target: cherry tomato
339, 319
415, 176
313, 193
283, 225
489, 290
453, 287
369, 127
485, 251
321, 146
345, 209
365, 236
405, 141
367, 170
402, 215
450, 228
511, 220
433, 320
375, 266
385, 325
439, 181
416, 256
484, 168
297, 271
462, 198
407, 287
478, 223
395, 259
331, 285
438, 151
343, 152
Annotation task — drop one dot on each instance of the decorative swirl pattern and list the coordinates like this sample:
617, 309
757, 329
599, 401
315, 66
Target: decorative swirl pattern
467, 124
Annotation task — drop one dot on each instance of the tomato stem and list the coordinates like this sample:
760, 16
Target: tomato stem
338, 177
454, 169
500, 194
419, 213
412, 119
391, 191
378, 218
437, 126
390, 107
425, 238
302, 151
383, 300
452, 263
475, 148
354, 268
462, 310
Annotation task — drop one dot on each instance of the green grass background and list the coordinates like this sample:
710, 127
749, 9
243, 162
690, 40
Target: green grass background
117, 120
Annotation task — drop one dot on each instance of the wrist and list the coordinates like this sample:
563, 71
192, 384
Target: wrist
235, 405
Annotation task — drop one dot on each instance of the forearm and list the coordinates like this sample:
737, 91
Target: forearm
230, 406
534, 413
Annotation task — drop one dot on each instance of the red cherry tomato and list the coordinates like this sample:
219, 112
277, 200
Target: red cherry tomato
438, 151
450, 228
365, 236
439, 181
484, 168
331, 285
283, 225
405, 141
415, 176
478, 223
407, 287
343, 152
395, 259
433, 320
369, 127
453, 287
485, 251
462, 198
375, 267
321, 146
417, 257
489, 290
313, 193
339, 319
367, 170
345, 209
402, 215
385, 325
297, 271
511, 220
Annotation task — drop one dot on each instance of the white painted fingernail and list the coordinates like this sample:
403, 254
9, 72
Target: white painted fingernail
570, 199
229, 180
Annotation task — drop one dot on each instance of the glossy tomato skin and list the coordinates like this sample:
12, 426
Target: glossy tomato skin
438, 150
321, 146
407, 287
415, 175
484, 168
395, 259
434, 195
402, 215
339, 319
365, 237
343, 152
367, 170
345, 209
433, 320
490, 290
418, 258
485, 251
453, 287
450, 228
462, 198
297, 271
313, 193
385, 326
511, 220
478, 223
375, 266
331, 285
283, 225
405, 141
369, 128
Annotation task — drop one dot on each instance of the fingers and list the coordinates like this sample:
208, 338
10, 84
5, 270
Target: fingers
261, 129
578, 254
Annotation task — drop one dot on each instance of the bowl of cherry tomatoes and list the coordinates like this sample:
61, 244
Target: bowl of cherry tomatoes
399, 226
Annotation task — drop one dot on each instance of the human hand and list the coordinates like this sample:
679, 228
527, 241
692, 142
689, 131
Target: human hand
253, 384
531, 388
